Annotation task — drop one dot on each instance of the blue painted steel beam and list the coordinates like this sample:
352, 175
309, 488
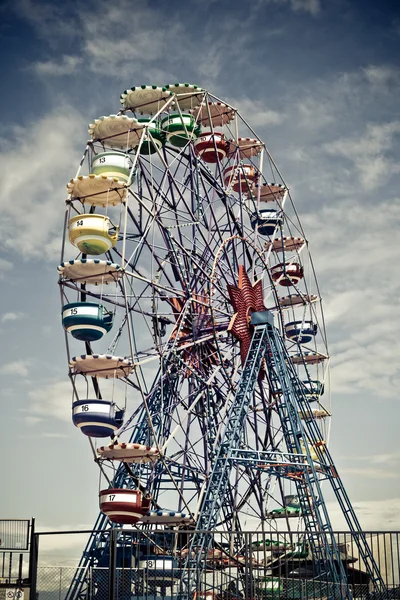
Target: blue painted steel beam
283, 377
217, 492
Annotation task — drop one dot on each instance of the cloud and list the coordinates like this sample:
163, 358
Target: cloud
20, 367
49, 150
60, 549
387, 458
50, 20
102, 41
66, 66
257, 113
314, 114
32, 420
355, 252
374, 515
110, 46
312, 7
370, 473
12, 316
51, 401
341, 139
5, 267
382, 76
369, 153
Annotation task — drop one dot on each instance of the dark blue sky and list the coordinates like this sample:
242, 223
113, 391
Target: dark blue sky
248, 47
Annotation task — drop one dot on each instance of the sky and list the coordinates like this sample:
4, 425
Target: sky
319, 81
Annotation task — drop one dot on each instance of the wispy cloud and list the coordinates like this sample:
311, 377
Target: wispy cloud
32, 226
313, 7
382, 76
18, 367
5, 267
371, 473
65, 66
374, 515
62, 549
109, 46
355, 258
388, 458
260, 114
12, 316
51, 401
314, 114
369, 153
31, 421
50, 20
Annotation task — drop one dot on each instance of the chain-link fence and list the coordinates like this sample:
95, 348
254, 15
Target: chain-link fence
161, 565
54, 582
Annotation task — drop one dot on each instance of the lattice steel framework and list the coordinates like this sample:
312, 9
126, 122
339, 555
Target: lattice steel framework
193, 256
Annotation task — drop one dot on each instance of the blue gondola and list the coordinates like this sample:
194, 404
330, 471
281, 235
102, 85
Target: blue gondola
266, 219
97, 418
86, 321
301, 332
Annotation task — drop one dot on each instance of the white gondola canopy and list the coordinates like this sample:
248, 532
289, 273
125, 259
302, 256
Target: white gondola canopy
117, 131
145, 99
98, 190
90, 271
102, 365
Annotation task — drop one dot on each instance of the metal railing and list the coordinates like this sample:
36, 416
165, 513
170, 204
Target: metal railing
239, 566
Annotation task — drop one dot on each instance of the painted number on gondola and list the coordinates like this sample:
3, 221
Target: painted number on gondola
79, 223
102, 159
149, 564
74, 311
85, 407
111, 497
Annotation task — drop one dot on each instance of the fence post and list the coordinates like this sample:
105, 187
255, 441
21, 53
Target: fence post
248, 578
112, 568
33, 561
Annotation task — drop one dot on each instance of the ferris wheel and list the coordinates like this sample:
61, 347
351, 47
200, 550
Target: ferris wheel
178, 227
194, 330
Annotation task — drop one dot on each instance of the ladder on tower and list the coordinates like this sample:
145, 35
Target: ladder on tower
268, 344
293, 403
263, 346
284, 384
217, 489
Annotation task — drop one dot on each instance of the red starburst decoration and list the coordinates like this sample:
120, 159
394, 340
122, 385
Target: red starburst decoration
246, 298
